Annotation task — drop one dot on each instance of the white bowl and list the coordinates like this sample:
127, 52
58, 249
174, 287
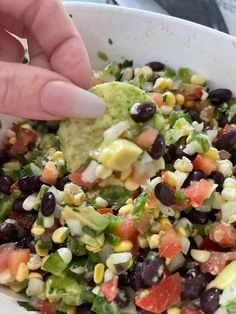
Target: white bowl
144, 36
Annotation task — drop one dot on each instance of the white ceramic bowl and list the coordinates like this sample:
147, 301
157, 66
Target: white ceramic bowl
144, 36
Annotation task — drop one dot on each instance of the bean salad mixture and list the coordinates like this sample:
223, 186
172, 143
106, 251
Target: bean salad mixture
140, 216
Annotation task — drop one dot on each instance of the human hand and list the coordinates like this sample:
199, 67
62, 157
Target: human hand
46, 89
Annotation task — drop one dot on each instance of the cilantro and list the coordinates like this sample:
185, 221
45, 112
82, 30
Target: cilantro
184, 72
126, 64
170, 73
115, 194
89, 231
45, 245
139, 205
202, 139
176, 115
180, 196
102, 55
112, 239
27, 306
77, 248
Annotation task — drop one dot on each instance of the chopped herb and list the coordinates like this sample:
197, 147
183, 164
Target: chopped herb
139, 205
180, 196
102, 56
110, 42
89, 231
115, 194
112, 239
45, 245
170, 73
77, 248
114, 222
175, 115
126, 64
27, 306
184, 72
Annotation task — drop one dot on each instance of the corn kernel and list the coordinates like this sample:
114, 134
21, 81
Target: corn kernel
35, 262
35, 275
138, 71
131, 185
71, 310
218, 201
154, 241
129, 201
160, 84
26, 126
126, 209
48, 222
60, 235
197, 79
212, 153
12, 140
98, 273
37, 230
100, 202
125, 173
142, 242
169, 99
179, 99
123, 246
156, 227
183, 165
57, 155
169, 83
164, 220
79, 198
29, 203
174, 310
103, 172
229, 183
166, 110
181, 231
68, 197
229, 194
40, 252
225, 167
22, 272
147, 72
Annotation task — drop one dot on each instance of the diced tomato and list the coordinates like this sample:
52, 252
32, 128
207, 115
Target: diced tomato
224, 235
143, 223
217, 262
192, 93
198, 191
147, 138
26, 136
45, 307
127, 230
205, 164
14, 187
188, 310
157, 98
135, 193
110, 288
50, 173
17, 257
5, 251
135, 250
19, 147
198, 91
226, 129
209, 245
105, 211
169, 244
76, 177
161, 296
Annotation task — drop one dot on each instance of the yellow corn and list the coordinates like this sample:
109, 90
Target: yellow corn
103, 172
123, 246
212, 153
26, 126
179, 99
22, 272
142, 242
164, 220
126, 209
129, 201
147, 72
79, 198
39, 251
71, 310
57, 155
125, 173
153, 241
160, 84
37, 230
169, 83
182, 231
60, 234
138, 72
169, 99
174, 310
98, 273
197, 79
131, 185
35, 275
12, 140
68, 197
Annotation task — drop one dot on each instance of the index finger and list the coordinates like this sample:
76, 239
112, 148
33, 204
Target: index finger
52, 28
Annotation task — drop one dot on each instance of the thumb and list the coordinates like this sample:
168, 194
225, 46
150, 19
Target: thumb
35, 93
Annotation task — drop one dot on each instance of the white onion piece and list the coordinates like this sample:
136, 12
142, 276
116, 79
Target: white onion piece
198, 239
75, 226
176, 263
185, 243
120, 258
200, 256
115, 131
89, 174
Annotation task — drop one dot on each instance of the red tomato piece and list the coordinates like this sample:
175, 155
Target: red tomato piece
19, 147
26, 136
161, 296
205, 164
17, 257
127, 230
76, 177
147, 138
188, 310
135, 193
224, 235
198, 191
169, 244
214, 264
110, 288
157, 98
45, 307
5, 251
50, 173
105, 211
197, 91
143, 223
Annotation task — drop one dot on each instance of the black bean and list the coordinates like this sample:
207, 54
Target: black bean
48, 204
153, 270
30, 184
136, 279
195, 115
233, 120
224, 154
190, 266
84, 309
156, 65
158, 147
27, 242
3, 156
153, 78
124, 280
122, 299
177, 152
142, 112
61, 182
226, 141
222, 122
8, 232
219, 179
17, 205
209, 300
193, 285
219, 96
5, 184
194, 175
197, 217
164, 194
208, 127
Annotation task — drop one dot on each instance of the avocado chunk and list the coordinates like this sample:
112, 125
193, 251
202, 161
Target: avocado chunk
66, 289
55, 264
225, 277
80, 136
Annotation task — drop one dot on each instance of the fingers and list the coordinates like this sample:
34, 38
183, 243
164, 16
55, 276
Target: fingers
52, 28
31, 92
11, 49
37, 56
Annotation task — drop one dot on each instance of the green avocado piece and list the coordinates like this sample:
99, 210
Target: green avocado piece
79, 136
225, 277
88, 216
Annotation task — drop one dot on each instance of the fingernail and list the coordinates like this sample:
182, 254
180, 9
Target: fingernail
67, 100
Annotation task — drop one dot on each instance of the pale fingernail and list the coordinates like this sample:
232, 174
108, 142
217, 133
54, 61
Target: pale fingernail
67, 100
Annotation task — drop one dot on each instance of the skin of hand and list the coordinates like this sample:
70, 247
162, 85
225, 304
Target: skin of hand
53, 86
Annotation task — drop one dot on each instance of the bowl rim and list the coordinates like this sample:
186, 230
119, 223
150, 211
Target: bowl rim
135, 11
